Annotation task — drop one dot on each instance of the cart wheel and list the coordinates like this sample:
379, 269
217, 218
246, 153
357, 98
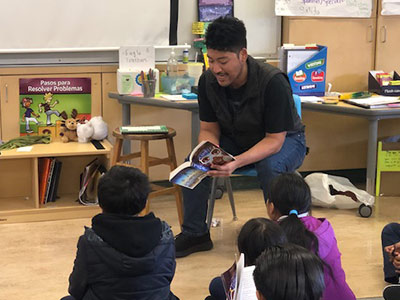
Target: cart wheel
219, 192
365, 211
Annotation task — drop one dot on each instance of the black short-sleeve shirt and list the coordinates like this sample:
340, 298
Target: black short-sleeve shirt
278, 108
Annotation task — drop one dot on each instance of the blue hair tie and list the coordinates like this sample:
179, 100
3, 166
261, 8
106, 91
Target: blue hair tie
293, 212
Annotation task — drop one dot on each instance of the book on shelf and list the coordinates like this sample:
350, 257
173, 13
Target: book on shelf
49, 180
375, 102
54, 181
238, 281
89, 181
44, 169
192, 172
143, 129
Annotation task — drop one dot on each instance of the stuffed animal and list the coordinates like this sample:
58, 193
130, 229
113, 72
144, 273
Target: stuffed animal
84, 132
68, 127
95, 129
100, 128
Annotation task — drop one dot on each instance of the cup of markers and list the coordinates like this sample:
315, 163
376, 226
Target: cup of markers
148, 84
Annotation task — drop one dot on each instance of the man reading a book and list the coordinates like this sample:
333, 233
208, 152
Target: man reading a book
247, 108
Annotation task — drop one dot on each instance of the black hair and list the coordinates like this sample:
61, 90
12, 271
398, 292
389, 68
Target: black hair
289, 272
226, 34
256, 235
123, 190
289, 192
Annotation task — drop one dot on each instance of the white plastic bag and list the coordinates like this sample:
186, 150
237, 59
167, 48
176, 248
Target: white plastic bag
321, 192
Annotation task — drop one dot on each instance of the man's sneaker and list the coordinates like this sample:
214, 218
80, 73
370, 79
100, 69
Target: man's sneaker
186, 244
391, 292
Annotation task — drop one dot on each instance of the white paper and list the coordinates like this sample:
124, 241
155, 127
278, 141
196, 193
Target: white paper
324, 8
25, 149
390, 7
311, 99
298, 57
378, 100
239, 270
247, 287
173, 97
136, 58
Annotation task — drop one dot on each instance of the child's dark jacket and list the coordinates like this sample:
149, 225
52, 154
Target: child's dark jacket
124, 257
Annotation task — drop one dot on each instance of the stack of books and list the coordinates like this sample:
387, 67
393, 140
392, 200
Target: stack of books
49, 177
375, 102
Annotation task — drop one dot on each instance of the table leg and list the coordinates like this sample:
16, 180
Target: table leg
126, 120
371, 156
195, 127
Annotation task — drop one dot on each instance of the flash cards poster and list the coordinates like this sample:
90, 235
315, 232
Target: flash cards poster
46, 102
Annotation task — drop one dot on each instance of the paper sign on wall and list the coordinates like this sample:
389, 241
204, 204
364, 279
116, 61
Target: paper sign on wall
390, 7
136, 58
324, 8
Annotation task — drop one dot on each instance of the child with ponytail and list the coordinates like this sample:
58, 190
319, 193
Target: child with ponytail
289, 204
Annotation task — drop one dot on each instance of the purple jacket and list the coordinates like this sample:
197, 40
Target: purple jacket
335, 288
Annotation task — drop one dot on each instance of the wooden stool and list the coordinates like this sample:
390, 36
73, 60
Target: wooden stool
147, 161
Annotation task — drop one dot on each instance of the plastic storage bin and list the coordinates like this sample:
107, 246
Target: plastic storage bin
177, 85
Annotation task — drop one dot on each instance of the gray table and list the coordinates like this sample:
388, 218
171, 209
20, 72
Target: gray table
127, 100
373, 116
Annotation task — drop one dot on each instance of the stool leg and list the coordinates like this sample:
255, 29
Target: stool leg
116, 157
144, 165
173, 165
211, 202
228, 187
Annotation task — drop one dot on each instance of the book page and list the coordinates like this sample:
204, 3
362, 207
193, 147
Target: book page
239, 271
186, 175
206, 153
247, 288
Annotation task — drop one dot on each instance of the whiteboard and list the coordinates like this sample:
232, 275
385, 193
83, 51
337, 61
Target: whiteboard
324, 8
91, 31
262, 25
49, 24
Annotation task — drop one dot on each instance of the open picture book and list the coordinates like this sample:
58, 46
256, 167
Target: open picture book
238, 281
191, 172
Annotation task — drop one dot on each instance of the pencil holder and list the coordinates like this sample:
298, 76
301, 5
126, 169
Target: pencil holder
149, 88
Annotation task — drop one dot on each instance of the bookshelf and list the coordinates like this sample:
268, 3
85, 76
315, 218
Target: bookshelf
19, 182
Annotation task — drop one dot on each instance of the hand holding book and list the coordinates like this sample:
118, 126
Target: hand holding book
201, 160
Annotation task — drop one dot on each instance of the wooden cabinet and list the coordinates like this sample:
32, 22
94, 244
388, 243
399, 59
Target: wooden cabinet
19, 170
19, 182
387, 56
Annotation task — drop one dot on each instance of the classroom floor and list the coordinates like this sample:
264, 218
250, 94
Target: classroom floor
36, 258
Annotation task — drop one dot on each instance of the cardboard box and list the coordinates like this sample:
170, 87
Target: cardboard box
306, 69
388, 169
386, 90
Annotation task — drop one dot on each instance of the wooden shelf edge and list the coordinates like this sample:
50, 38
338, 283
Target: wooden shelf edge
48, 214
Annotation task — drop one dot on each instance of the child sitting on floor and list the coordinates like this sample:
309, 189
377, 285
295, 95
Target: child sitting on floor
254, 237
290, 203
289, 272
123, 255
